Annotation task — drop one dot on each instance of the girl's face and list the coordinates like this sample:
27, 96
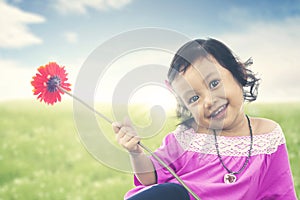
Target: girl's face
211, 94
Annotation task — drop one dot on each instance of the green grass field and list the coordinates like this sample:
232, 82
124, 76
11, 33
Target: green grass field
41, 156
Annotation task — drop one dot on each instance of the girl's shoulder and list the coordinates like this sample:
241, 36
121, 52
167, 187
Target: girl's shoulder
262, 125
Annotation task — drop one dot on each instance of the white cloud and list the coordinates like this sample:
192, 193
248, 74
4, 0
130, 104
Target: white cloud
71, 37
14, 30
275, 50
15, 80
81, 6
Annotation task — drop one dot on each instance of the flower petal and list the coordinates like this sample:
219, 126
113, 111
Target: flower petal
41, 79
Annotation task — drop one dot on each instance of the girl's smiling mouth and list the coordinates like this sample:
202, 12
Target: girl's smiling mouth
219, 113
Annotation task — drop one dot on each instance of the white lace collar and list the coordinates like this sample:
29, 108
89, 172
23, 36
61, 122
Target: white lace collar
229, 146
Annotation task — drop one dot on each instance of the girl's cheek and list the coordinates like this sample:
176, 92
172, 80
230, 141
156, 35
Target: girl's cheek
237, 93
195, 110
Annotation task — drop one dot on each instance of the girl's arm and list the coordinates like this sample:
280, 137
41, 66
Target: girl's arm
143, 168
141, 163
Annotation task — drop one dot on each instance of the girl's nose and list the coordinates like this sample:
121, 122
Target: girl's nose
208, 101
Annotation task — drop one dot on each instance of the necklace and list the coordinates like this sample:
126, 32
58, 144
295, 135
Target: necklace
230, 176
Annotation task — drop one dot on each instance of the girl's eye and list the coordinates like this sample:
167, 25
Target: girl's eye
214, 84
193, 99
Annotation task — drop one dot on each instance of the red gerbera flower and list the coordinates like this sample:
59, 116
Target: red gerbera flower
48, 81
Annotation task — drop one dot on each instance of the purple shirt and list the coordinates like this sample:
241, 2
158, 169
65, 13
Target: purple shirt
194, 158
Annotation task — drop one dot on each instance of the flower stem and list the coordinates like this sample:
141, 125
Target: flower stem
171, 171
140, 144
87, 105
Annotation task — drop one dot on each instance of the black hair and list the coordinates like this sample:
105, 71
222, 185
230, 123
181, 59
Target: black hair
201, 48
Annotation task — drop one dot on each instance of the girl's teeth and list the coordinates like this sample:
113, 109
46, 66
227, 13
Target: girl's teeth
218, 111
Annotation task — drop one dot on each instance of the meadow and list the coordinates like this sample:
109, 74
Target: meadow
42, 157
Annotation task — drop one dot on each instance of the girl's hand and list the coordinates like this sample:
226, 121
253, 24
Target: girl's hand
127, 137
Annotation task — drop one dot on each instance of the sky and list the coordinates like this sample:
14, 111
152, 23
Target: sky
35, 32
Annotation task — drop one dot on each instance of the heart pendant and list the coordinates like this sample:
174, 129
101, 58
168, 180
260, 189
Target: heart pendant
229, 178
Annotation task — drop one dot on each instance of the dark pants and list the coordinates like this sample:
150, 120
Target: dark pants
166, 191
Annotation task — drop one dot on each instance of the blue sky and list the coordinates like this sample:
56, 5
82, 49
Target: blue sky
34, 32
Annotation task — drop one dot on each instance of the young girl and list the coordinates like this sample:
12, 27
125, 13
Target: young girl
217, 150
